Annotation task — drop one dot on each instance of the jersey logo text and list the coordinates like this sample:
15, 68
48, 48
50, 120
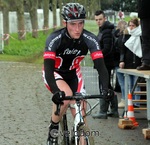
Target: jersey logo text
49, 55
52, 41
73, 51
97, 54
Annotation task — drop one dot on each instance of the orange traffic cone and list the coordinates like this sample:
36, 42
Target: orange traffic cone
130, 113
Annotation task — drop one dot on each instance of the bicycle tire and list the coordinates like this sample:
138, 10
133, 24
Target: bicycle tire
85, 139
60, 137
63, 138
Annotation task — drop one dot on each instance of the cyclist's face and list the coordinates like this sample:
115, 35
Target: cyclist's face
100, 19
75, 28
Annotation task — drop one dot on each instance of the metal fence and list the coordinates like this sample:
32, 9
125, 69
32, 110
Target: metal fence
91, 80
90, 76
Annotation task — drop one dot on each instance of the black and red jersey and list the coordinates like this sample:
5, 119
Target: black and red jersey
64, 54
68, 52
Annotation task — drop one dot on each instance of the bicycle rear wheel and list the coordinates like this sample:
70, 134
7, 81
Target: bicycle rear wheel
84, 136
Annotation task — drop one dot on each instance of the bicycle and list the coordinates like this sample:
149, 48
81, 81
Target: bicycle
79, 136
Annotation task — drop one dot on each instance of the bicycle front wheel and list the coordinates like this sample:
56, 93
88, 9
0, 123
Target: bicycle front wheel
63, 138
84, 136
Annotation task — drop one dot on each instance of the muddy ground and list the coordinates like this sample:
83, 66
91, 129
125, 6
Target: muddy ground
25, 109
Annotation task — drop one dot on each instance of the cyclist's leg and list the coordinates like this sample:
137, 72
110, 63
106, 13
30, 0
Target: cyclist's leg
55, 119
63, 86
84, 108
78, 86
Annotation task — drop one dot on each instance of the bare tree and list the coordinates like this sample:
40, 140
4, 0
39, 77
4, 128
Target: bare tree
54, 4
60, 7
95, 5
4, 7
46, 16
40, 4
20, 18
32, 7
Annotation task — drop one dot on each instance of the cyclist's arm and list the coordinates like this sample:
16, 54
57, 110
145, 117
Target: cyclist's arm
49, 74
49, 59
99, 65
97, 57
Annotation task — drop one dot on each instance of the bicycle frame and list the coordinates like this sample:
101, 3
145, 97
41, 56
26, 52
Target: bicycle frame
78, 120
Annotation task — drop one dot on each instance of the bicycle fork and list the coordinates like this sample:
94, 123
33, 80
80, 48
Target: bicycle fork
77, 121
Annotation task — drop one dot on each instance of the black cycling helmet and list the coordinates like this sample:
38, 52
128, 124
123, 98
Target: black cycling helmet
73, 11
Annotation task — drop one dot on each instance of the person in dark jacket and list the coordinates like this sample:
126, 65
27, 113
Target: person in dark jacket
105, 38
144, 15
131, 52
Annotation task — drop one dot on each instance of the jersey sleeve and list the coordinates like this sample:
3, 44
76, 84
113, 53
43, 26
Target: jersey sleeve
99, 65
93, 45
51, 45
49, 74
97, 57
49, 57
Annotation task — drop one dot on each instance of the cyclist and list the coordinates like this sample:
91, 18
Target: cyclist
65, 49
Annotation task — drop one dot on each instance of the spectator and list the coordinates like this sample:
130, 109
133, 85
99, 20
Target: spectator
131, 52
144, 15
105, 38
120, 15
121, 26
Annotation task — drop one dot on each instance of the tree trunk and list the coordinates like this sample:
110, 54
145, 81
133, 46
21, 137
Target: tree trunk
6, 26
60, 6
54, 14
34, 18
94, 7
4, 7
20, 18
46, 16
